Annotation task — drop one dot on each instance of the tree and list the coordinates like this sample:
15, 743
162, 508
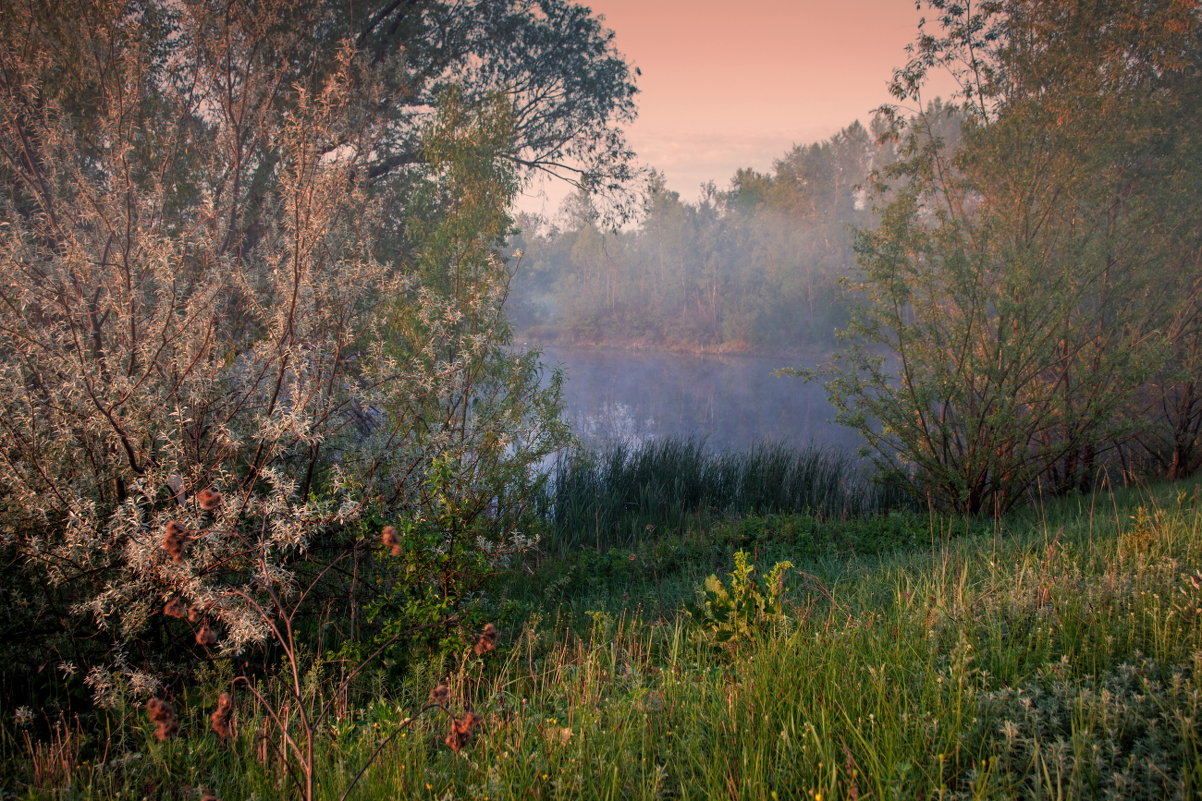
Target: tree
1014, 281
252, 251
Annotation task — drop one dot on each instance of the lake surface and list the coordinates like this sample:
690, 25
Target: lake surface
730, 401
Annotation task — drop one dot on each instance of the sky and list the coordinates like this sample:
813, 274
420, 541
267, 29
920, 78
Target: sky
736, 84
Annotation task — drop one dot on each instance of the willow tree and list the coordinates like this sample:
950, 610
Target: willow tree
250, 249
1021, 284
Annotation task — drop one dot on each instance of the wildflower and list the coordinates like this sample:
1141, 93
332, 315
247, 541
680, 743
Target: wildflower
388, 537
209, 499
23, 716
206, 635
162, 714
220, 719
174, 608
174, 538
461, 731
487, 641
440, 695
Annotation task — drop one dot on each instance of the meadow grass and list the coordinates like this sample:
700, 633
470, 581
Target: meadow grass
1053, 654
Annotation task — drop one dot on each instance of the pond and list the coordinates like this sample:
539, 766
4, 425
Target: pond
730, 401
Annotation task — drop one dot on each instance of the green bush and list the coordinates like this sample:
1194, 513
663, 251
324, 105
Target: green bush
741, 609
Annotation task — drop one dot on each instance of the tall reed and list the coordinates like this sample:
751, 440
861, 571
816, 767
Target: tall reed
618, 495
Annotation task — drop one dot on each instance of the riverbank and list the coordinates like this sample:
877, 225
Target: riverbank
542, 337
1052, 654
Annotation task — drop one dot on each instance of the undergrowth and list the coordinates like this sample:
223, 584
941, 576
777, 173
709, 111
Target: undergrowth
1054, 654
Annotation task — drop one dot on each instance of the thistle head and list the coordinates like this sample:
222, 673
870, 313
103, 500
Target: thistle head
206, 635
209, 499
389, 537
461, 731
487, 641
175, 536
174, 608
220, 719
162, 715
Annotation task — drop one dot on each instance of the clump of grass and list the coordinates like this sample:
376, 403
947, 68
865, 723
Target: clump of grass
624, 493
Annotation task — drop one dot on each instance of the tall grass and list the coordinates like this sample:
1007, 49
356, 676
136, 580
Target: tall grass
1056, 656
624, 493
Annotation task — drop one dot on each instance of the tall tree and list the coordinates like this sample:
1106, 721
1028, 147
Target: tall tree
1014, 280
252, 247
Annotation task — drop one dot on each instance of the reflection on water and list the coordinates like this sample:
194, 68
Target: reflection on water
732, 402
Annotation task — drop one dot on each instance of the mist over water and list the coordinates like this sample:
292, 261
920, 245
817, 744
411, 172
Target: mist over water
732, 402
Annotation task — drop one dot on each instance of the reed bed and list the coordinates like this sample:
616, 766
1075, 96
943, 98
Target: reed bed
625, 493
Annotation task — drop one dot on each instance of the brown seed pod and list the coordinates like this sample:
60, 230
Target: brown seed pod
209, 499
440, 695
487, 641
461, 731
174, 608
175, 536
162, 715
220, 719
206, 635
389, 537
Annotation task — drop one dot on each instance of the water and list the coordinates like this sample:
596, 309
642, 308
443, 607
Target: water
730, 401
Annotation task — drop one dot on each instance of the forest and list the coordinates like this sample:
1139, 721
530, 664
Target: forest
288, 509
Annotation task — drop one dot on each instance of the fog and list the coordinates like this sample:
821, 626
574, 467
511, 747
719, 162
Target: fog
674, 324
731, 402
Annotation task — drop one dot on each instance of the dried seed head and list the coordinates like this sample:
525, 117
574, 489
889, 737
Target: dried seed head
440, 695
195, 613
220, 719
162, 715
158, 709
389, 537
206, 635
461, 731
174, 608
165, 731
174, 539
487, 641
208, 498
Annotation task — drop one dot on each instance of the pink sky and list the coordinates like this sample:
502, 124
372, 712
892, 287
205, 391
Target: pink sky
736, 84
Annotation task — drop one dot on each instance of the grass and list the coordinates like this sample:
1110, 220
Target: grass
625, 494
1054, 654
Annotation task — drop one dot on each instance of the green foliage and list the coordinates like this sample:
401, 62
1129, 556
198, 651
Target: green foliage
428, 589
624, 494
1054, 655
1019, 300
253, 256
742, 608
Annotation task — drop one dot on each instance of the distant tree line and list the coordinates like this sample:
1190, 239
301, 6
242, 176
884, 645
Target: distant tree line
756, 266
